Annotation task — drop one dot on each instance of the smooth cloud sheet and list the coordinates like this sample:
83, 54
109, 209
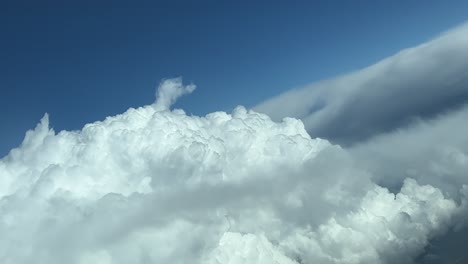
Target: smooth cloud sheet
155, 185
419, 82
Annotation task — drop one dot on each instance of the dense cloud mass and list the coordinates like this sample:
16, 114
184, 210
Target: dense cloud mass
154, 185
419, 82
402, 118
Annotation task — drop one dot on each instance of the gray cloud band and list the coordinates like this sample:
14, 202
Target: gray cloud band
419, 82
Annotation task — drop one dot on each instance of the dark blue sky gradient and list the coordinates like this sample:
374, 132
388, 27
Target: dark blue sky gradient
81, 61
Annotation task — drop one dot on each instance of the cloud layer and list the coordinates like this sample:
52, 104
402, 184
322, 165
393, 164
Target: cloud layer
418, 82
155, 185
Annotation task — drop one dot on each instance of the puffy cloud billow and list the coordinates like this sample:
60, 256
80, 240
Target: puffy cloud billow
401, 120
155, 185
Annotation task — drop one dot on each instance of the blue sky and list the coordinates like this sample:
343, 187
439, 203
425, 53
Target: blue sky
82, 61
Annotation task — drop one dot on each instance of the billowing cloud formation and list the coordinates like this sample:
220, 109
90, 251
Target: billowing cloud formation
434, 152
154, 185
419, 82
169, 92
402, 118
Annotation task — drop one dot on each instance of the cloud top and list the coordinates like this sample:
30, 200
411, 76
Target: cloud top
169, 91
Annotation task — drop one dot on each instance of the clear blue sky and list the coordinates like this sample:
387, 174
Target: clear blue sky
81, 61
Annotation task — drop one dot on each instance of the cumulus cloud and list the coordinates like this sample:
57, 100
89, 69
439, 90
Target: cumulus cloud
154, 185
168, 93
418, 82
402, 118
433, 152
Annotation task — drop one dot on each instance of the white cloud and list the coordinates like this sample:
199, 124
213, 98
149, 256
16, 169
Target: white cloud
169, 92
404, 117
433, 152
154, 185
418, 82
384, 229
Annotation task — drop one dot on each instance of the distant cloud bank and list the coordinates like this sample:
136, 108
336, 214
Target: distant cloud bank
154, 185
419, 82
